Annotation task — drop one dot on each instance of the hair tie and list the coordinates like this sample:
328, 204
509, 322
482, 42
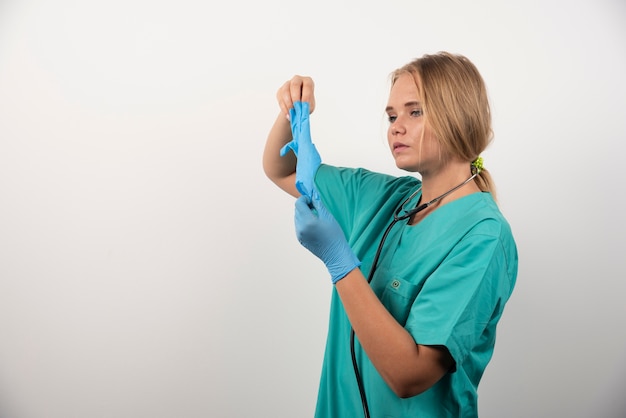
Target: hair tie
477, 165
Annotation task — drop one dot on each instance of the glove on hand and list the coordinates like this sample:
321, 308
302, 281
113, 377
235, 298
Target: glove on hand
318, 231
308, 158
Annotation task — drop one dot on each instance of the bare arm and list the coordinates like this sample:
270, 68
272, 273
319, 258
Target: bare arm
282, 170
408, 368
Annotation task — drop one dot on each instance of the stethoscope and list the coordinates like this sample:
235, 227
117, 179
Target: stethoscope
396, 218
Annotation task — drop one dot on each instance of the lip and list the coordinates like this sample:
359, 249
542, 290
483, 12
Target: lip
398, 147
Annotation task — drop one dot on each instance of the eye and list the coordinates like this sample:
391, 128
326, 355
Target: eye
391, 118
417, 112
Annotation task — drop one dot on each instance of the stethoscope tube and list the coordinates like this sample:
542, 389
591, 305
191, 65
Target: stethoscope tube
355, 366
396, 218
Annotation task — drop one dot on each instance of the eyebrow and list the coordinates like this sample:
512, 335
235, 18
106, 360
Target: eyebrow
408, 104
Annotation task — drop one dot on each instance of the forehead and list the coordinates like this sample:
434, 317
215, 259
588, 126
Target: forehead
404, 90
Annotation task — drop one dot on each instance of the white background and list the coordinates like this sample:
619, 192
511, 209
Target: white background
149, 269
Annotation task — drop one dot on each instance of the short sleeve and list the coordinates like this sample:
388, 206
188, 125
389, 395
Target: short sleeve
462, 301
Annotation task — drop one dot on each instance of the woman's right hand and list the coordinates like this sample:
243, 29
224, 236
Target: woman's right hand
297, 89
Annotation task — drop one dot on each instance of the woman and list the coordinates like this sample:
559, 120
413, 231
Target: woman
413, 321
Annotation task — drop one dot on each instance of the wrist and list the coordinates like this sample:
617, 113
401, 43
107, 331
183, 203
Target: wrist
340, 278
349, 264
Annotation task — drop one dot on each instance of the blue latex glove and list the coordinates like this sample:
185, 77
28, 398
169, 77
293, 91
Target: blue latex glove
308, 158
318, 231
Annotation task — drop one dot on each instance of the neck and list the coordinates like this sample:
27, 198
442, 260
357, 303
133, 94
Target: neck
443, 190
451, 176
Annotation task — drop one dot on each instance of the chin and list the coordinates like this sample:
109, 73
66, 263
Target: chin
407, 167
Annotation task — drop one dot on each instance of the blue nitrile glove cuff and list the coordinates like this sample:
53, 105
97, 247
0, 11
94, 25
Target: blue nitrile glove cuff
302, 146
318, 231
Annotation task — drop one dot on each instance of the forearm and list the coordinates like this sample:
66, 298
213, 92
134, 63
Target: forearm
280, 170
408, 368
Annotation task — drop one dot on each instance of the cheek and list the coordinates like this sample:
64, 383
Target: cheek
429, 145
430, 140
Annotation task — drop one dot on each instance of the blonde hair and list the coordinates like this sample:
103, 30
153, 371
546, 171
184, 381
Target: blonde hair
456, 107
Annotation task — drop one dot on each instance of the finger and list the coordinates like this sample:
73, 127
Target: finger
317, 204
303, 211
303, 203
284, 98
295, 88
308, 92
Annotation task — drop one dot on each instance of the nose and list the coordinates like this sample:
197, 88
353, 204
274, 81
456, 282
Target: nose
397, 128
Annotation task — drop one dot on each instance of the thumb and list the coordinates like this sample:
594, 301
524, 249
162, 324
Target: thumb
318, 206
304, 211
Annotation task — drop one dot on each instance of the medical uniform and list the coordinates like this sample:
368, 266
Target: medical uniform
446, 280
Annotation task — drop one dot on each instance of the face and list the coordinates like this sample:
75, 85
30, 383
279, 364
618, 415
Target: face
411, 141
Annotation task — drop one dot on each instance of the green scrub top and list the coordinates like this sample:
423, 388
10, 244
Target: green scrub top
446, 280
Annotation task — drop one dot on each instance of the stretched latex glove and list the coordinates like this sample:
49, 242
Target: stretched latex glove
318, 231
308, 158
